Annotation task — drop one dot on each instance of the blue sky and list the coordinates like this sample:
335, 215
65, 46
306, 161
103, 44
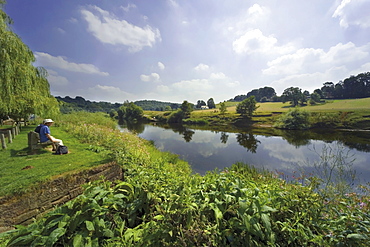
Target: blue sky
176, 50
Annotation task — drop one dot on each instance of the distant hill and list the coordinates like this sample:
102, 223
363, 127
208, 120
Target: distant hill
78, 103
153, 105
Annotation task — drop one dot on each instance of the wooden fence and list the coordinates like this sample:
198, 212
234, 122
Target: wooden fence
7, 135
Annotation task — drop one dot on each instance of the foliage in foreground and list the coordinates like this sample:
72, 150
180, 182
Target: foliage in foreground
161, 203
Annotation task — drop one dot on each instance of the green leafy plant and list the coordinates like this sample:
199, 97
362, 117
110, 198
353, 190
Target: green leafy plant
294, 119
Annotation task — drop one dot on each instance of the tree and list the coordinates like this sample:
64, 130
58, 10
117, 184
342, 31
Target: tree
211, 103
130, 112
294, 95
328, 90
223, 108
186, 108
200, 103
247, 107
24, 89
314, 98
267, 93
113, 113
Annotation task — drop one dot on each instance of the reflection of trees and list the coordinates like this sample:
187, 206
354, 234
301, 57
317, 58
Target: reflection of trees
248, 141
185, 132
224, 137
296, 137
135, 127
363, 147
188, 134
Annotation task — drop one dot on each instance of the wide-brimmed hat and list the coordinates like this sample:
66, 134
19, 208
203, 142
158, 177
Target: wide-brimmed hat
48, 121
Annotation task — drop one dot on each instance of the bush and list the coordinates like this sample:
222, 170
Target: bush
195, 121
176, 117
294, 119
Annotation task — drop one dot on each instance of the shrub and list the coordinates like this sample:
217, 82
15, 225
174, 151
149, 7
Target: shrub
294, 119
176, 117
195, 121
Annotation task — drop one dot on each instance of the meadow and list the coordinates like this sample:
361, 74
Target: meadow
350, 113
161, 202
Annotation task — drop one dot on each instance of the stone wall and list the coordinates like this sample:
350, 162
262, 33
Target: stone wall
21, 210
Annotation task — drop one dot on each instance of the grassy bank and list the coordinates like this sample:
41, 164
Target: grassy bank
351, 113
21, 170
161, 203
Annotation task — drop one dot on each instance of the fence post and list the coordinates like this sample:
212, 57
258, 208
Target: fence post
3, 144
13, 132
10, 136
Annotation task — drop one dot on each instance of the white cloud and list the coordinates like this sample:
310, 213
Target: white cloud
201, 67
108, 94
254, 41
309, 81
256, 11
56, 80
316, 60
47, 60
173, 3
161, 66
163, 89
217, 86
242, 22
152, 77
61, 30
364, 68
72, 20
110, 30
128, 7
218, 76
353, 13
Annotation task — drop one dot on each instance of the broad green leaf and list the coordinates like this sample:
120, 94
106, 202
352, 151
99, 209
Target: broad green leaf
89, 225
54, 236
78, 241
356, 236
158, 217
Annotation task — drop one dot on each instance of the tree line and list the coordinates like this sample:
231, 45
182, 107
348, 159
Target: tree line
350, 88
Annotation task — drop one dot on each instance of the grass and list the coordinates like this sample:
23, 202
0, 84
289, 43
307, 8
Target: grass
16, 180
329, 106
349, 113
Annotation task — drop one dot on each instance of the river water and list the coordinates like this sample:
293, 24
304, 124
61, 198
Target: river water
288, 153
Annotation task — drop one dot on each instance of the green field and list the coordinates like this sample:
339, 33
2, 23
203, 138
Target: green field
349, 113
329, 106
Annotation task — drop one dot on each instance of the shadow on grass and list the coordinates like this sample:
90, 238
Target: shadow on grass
26, 151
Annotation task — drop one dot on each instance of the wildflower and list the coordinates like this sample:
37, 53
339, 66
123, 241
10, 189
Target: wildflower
362, 205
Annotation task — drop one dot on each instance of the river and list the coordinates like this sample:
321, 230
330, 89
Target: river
288, 152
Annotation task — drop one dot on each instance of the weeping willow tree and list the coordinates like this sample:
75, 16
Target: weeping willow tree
24, 89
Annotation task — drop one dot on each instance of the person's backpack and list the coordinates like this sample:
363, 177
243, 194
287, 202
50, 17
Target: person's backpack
38, 128
61, 150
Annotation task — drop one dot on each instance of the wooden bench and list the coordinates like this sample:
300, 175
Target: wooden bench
34, 141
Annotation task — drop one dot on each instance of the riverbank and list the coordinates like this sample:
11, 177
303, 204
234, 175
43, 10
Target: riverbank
162, 203
333, 114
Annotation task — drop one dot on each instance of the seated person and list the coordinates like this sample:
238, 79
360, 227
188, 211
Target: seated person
45, 136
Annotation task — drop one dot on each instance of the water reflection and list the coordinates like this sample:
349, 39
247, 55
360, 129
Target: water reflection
283, 151
249, 141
